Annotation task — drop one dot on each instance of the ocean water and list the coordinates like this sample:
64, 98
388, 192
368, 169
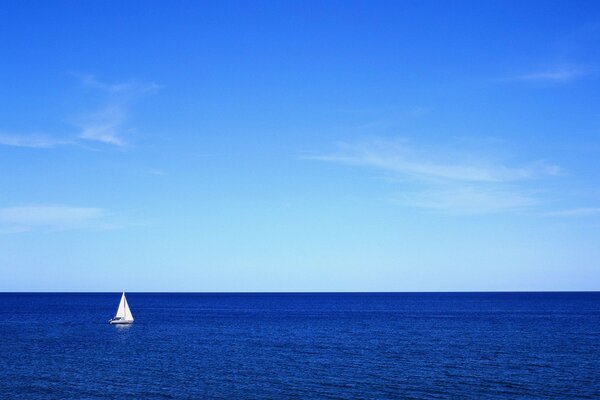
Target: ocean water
304, 346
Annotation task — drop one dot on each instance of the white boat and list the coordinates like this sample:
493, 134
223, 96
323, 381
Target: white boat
123, 315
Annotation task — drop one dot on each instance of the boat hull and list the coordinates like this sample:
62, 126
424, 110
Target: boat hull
120, 322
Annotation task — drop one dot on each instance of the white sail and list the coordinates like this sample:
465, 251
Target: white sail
123, 311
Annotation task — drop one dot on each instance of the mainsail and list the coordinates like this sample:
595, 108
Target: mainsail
123, 311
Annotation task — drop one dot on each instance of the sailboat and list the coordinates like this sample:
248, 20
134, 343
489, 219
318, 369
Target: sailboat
123, 315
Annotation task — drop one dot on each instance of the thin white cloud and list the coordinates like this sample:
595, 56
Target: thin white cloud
445, 179
129, 88
33, 141
401, 158
108, 124
574, 212
104, 126
156, 172
52, 218
554, 75
469, 199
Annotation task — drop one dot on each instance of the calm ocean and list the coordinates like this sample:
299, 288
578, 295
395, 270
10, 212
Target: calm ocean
306, 346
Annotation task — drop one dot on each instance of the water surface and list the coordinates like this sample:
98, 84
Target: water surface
308, 346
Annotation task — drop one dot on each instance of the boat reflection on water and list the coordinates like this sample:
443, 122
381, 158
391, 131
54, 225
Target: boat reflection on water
123, 327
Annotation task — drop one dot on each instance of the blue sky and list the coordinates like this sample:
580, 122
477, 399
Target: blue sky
299, 146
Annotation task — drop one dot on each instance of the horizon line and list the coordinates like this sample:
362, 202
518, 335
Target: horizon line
309, 292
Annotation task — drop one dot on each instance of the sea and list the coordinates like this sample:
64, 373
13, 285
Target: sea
301, 346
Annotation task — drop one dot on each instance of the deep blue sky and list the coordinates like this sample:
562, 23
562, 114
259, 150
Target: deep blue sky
298, 146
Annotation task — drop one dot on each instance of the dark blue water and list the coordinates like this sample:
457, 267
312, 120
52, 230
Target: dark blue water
367, 346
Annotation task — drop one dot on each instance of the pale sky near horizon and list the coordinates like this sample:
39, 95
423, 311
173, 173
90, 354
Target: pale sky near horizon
299, 146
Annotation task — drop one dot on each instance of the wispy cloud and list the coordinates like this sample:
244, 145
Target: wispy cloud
559, 75
469, 199
131, 87
105, 125
446, 179
400, 157
156, 172
52, 218
574, 212
33, 141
